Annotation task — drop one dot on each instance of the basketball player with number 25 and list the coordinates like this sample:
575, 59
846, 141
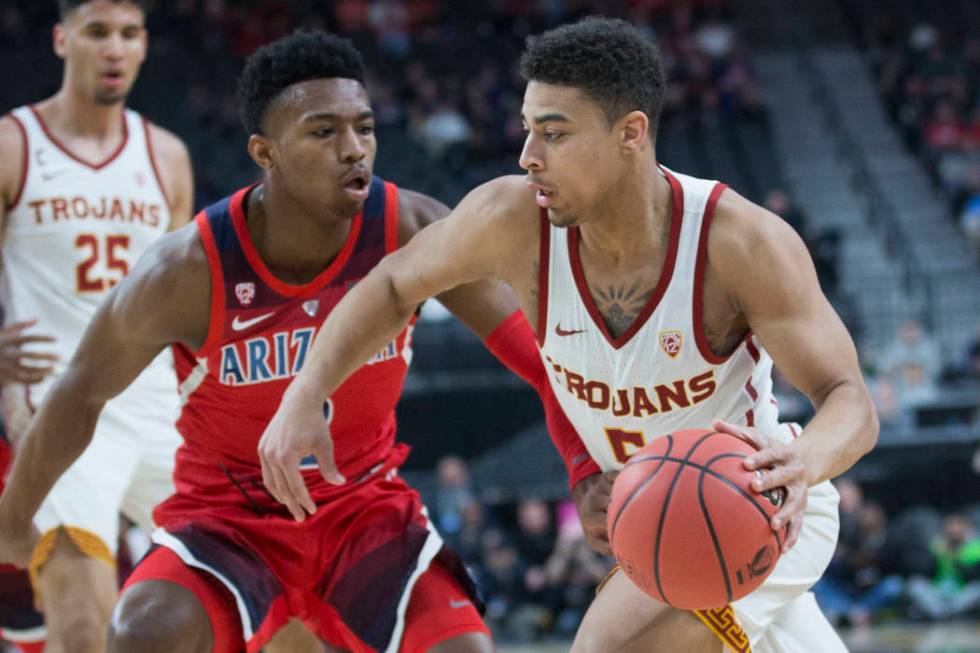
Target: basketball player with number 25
87, 186
661, 302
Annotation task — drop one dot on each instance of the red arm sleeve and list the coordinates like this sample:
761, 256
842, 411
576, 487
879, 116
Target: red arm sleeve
512, 342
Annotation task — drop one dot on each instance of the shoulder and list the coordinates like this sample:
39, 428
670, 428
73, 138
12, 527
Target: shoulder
168, 149
12, 145
416, 211
745, 236
169, 289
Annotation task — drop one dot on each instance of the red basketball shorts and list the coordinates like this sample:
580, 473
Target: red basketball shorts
20, 623
366, 572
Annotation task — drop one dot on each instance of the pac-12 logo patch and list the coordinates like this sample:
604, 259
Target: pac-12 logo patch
311, 306
670, 342
245, 292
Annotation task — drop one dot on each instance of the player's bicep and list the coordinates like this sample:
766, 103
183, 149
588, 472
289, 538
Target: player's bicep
788, 311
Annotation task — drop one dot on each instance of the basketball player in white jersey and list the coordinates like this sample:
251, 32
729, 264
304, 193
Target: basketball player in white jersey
86, 186
661, 302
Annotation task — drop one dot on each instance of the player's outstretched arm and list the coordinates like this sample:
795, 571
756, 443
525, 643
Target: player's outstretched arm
467, 246
164, 300
765, 267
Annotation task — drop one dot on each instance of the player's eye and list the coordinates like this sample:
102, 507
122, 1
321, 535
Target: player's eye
552, 136
323, 133
367, 129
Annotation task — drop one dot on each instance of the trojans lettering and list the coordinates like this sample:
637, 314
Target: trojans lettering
108, 209
638, 401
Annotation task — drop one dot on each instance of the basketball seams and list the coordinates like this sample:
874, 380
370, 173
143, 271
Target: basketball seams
745, 495
714, 536
663, 513
640, 487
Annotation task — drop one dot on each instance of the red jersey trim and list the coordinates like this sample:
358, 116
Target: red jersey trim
544, 271
64, 148
153, 162
391, 217
752, 349
25, 162
281, 287
700, 264
676, 219
217, 319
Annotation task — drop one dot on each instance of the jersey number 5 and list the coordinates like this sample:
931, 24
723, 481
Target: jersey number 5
624, 443
85, 281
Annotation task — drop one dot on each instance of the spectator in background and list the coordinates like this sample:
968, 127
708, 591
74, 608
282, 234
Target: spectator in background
824, 244
572, 572
912, 365
501, 581
954, 589
970, 215
854, 586
973, 357
452, 495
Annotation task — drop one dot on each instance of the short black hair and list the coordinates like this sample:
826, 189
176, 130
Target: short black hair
608, 59
65, 7
299, 57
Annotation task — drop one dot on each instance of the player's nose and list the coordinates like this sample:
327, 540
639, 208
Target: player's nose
352, 148
530, 159
113, 47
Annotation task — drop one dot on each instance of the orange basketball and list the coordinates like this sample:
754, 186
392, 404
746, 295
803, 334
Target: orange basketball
685, 525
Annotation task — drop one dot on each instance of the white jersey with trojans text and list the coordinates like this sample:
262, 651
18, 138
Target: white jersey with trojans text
661, 376
73, 232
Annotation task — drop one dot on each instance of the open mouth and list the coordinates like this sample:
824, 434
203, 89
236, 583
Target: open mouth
113, 77
357, 184
543, 196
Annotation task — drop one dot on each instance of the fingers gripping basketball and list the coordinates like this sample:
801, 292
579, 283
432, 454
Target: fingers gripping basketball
685, 524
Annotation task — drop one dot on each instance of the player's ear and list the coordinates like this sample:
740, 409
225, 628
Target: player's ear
261, 150
58, 40
634, 130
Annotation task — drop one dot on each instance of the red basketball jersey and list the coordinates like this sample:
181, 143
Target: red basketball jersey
260, 334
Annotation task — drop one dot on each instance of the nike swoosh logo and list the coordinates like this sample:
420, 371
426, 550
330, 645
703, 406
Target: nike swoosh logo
241, 325
560, 331
48, 176
458, 604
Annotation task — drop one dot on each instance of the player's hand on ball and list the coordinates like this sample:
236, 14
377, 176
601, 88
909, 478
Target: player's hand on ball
297, 430
591, 496
781, 470
18, 365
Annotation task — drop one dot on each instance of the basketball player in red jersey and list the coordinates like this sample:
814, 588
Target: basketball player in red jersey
85, 185
659, 299
242, 294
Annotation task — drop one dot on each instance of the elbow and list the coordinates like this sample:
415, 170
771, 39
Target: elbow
873, 426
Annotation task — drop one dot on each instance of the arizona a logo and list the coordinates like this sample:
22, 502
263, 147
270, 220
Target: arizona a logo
245, 292
670, 342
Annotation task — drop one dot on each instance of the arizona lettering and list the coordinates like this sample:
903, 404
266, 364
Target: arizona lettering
277, 356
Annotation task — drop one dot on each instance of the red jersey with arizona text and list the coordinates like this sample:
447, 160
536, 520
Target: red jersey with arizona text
260, 335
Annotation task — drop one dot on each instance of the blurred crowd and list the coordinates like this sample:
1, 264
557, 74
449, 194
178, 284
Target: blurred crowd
920, 564
929, 75
531, 562
443, 76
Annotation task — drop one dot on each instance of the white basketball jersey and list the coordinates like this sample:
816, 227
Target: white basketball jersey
660, 375
75, 230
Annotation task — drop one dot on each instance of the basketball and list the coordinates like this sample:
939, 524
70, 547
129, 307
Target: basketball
685, 525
